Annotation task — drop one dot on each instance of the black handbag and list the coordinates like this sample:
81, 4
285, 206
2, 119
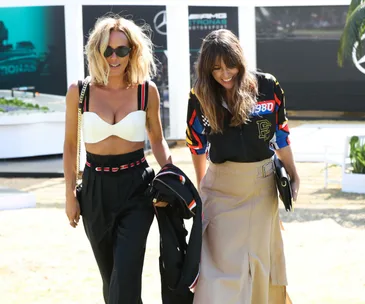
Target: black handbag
283, 184
78, 189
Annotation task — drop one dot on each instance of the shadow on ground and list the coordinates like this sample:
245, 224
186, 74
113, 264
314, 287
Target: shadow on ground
59, 205
338, 194
349, 218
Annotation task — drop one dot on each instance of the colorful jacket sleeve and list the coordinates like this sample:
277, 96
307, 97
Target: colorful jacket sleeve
196, 139
281, 138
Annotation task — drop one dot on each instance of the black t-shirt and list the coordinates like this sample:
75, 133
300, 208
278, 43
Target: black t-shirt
266, 131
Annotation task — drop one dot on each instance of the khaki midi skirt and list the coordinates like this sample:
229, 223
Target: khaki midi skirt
242, 259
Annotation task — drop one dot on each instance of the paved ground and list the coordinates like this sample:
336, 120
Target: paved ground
43, 260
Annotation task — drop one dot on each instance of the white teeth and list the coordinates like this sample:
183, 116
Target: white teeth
227, 80
114, 65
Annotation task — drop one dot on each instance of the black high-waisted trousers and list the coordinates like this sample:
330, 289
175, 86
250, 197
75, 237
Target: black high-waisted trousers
117, 217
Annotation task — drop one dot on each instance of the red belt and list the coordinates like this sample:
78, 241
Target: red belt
121, 167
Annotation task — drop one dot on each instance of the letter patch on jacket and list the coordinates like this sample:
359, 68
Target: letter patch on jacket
264, 129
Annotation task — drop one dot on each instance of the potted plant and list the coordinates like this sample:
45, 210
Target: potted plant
353, 177
351, 45
357, 154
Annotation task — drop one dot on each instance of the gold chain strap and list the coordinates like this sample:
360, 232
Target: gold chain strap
79, 121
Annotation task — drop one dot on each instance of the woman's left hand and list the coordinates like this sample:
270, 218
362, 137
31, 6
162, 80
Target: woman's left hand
286, 156
295, 188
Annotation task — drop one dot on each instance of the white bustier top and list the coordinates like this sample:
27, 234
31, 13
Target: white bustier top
131, 127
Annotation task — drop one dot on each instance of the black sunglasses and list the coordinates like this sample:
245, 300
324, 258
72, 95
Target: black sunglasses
120, 51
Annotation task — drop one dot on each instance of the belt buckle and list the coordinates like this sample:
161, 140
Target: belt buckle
263, 171
267, 169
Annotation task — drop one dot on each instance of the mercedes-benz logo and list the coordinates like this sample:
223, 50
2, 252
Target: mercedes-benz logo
358, 61
160, 22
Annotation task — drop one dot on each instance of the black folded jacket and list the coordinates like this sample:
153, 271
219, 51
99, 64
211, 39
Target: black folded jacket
179, 261
283, 183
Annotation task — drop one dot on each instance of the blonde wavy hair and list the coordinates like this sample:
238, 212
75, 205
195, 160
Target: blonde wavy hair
223, 44
141, 66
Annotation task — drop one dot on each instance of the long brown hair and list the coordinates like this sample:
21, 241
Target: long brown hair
224, 45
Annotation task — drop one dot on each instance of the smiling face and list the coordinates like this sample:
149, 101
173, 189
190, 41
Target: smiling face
225, 76
117, 64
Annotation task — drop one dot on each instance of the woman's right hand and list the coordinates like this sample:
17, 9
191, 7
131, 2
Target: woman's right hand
73, 210
160, 204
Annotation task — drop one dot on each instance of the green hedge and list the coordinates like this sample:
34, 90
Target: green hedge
9, 105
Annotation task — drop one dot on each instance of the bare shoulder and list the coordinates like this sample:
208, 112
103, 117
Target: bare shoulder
72, 97
152, 88
153, 94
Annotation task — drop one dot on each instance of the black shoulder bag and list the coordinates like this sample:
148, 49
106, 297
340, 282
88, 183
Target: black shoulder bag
283, 184
79, 121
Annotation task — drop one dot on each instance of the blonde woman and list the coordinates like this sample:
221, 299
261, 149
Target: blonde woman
120, 104
238, 118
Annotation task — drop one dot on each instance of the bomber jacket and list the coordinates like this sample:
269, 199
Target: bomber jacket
266, 131
179, 261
